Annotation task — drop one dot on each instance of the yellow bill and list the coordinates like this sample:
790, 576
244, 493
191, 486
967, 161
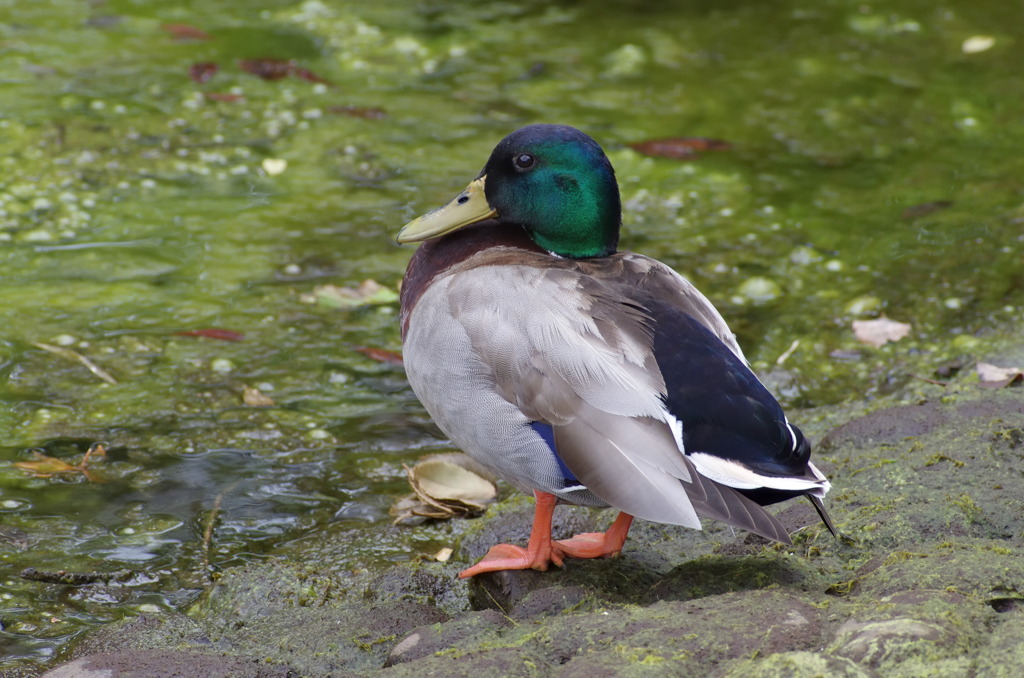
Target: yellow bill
466, 208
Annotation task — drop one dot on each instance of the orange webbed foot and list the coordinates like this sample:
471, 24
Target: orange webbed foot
598, 544
510, 557
541, 552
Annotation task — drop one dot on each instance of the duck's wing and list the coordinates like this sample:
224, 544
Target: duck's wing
571, 345
733, 429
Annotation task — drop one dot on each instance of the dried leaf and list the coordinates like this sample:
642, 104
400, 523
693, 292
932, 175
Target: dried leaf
444, 481
185, 32
368, 293
254, 398
993, 376
465, 461
880, 331
446, 485
411, 510
679, 148
203, 71
433, 512
380, 355
443, 555
359, 112
213, 333
44, 466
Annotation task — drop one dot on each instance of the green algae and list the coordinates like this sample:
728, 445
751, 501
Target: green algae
133, 206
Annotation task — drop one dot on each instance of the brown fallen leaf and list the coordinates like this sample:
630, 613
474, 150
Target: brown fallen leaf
253, 397
203, 71
879, 331
381, 355
185, 32
679, 148
45, 466
993, 376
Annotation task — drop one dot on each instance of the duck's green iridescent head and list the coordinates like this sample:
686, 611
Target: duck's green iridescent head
552, 180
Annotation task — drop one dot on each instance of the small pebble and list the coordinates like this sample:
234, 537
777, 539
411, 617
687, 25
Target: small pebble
274, 166
222, 366
759, 290
977, 43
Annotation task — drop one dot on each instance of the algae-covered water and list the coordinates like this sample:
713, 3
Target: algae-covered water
147, 198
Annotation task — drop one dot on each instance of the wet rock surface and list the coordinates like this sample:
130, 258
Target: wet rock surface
928, 578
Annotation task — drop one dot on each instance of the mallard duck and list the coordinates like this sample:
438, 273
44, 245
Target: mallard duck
583, 374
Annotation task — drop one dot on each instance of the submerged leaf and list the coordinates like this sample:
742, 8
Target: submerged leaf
213, 333
268, 69
276, 69
880, 331
254, 398
679, 148
223, 96
44, 466
185, 32
925, 208
203, 71
359, 112
369, 292
381, 355
308, 75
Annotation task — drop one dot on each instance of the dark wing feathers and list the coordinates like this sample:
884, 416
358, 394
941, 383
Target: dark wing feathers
724, 409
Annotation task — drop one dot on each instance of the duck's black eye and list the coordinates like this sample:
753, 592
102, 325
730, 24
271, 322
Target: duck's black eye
523, 161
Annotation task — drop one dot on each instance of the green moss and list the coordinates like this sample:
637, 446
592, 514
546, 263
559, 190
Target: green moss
971, 511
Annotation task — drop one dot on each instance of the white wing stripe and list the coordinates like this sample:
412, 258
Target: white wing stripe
740, 477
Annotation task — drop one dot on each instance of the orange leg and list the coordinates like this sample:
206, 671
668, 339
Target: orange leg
541, 551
